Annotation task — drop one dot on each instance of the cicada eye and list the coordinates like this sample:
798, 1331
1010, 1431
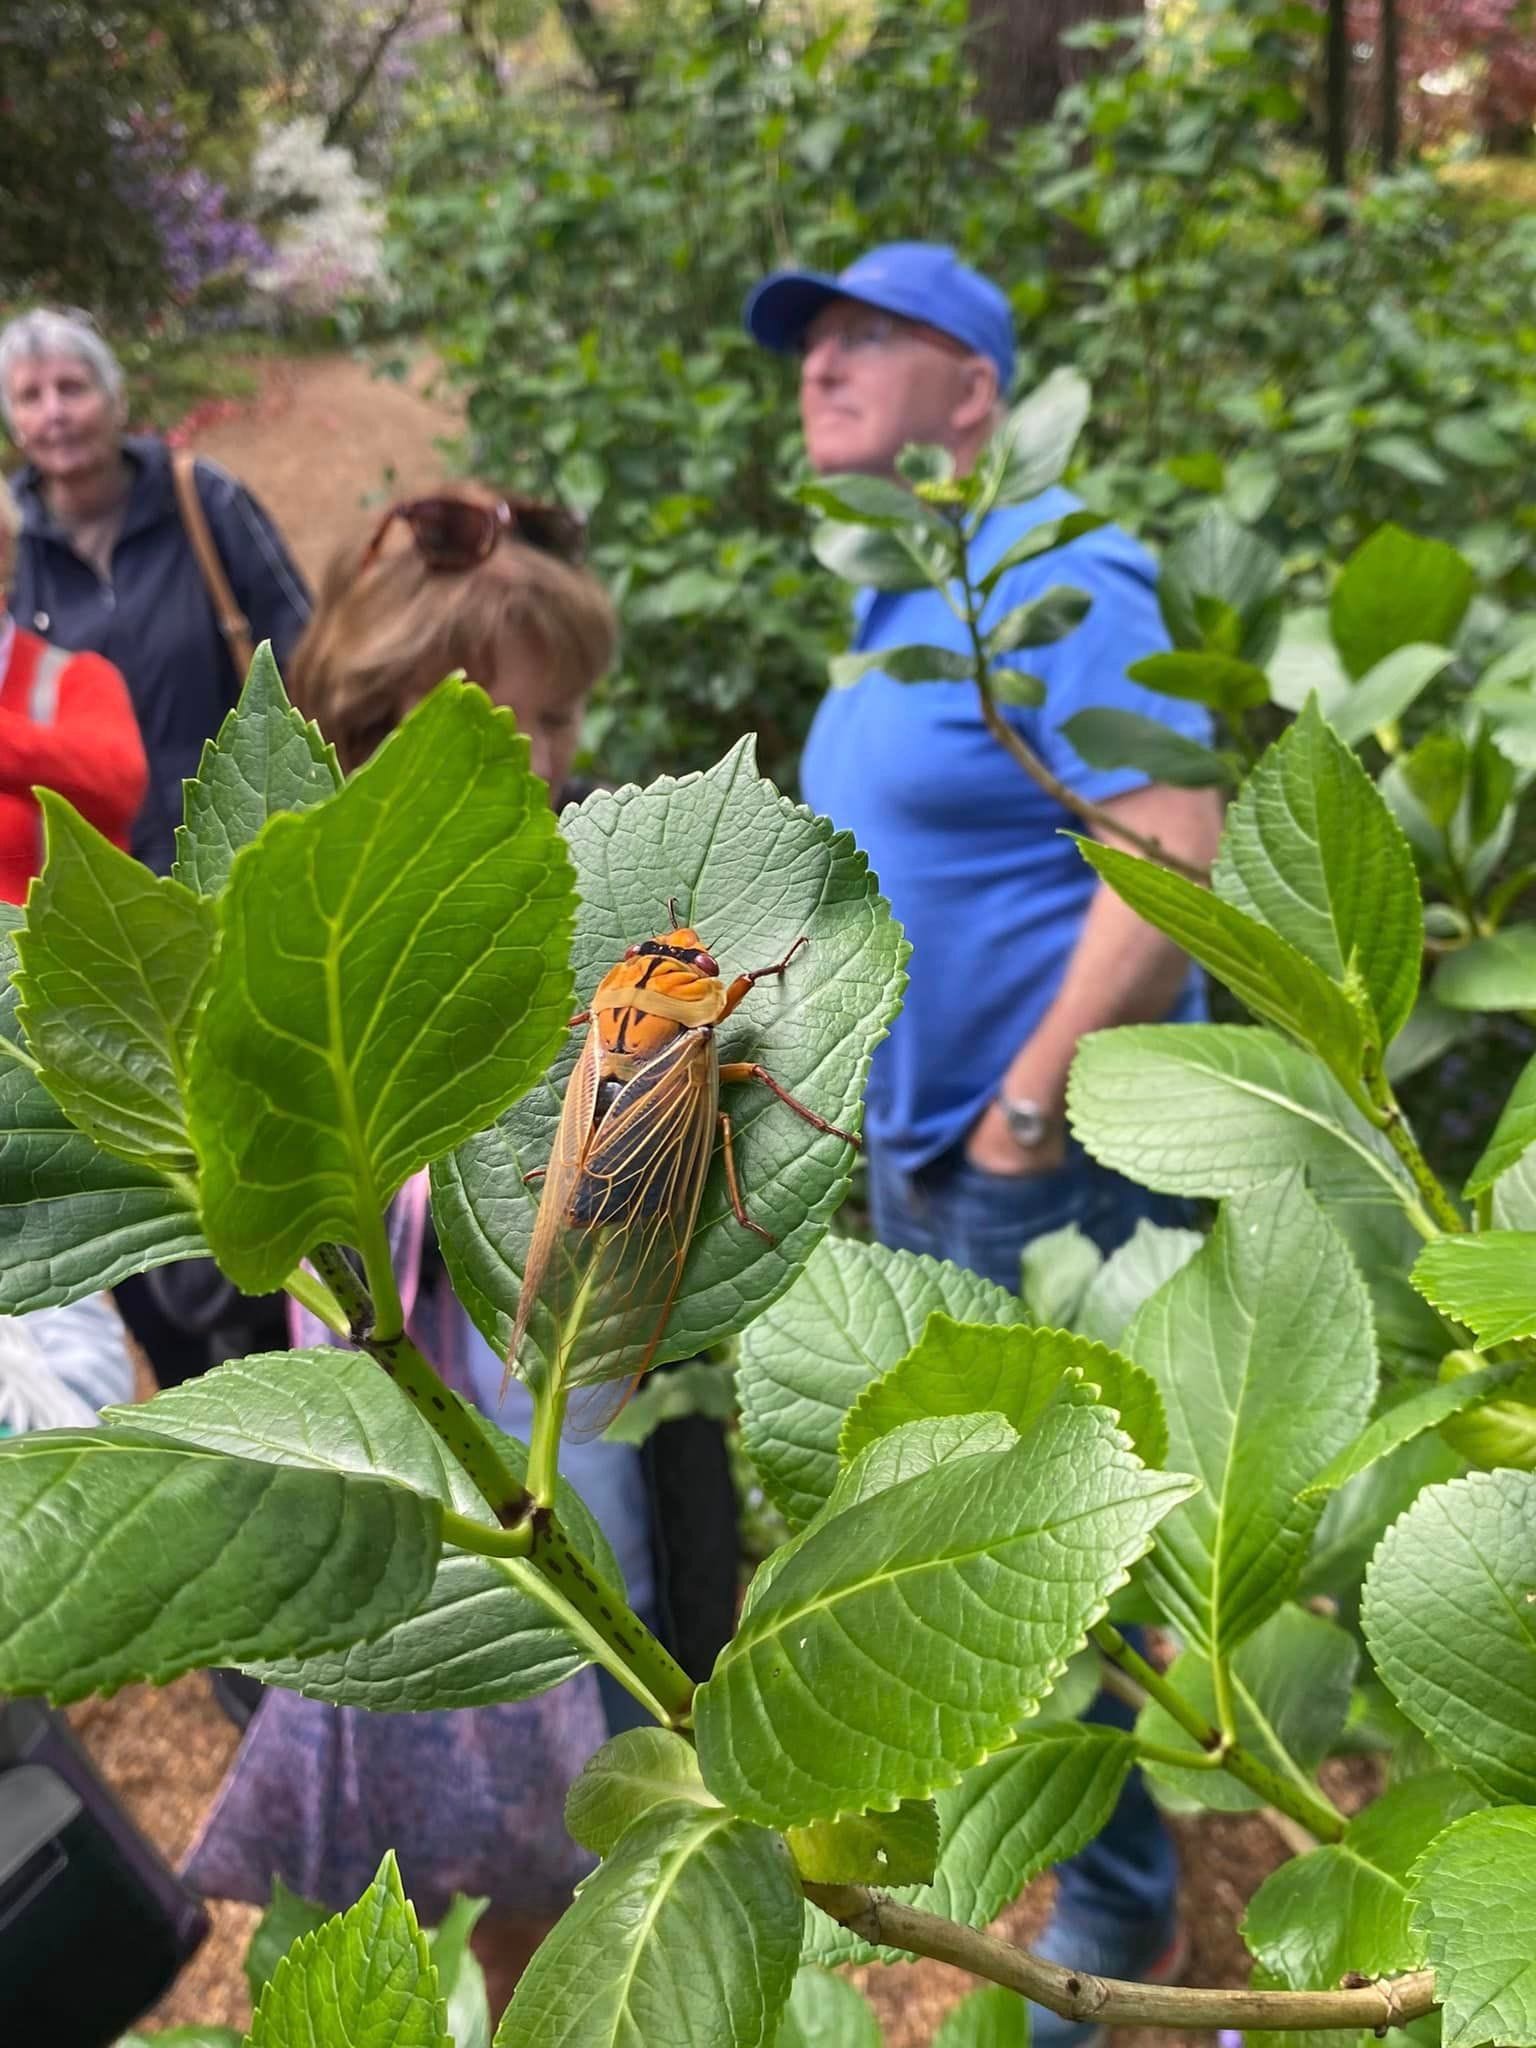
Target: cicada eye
706, 963
631, 952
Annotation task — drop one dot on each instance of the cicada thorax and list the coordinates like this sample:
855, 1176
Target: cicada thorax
653, 1012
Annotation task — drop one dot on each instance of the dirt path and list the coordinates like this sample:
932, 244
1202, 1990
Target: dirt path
326, 439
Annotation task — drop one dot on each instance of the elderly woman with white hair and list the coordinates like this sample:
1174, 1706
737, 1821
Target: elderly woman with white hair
108, 561
66, 724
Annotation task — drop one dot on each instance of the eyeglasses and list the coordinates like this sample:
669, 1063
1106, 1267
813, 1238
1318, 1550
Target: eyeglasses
458, 534
879, 330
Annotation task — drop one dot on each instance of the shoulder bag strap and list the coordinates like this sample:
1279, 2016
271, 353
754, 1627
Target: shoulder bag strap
232, 622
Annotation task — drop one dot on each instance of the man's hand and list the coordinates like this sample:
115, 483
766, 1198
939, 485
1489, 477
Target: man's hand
993, 1147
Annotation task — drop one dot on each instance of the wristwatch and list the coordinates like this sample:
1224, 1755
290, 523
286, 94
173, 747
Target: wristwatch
1028, 1124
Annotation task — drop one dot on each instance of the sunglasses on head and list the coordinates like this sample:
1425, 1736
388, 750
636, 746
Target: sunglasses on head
455, 534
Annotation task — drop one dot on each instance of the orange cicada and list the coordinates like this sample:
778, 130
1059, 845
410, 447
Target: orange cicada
621, 1192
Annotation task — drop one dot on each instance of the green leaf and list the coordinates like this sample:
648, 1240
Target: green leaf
1451, 1630
1217, 1109
826, 2012
870, 556
871, 501
486, 1631
1030, 1806
1125, 739
1513, 1135
392, 974
365, 1978
113, 968
989, 2018
1489, 1433
1305, 661
900, 1847
1385, 691
460, 1978
1404, 457
903, 665
1470, 438
1474, 1906
1221, 681
1220, 590
1409, 1418
1040, 540
1152, 1254
967, 1369
1013, 686
641, 1769
1496, 973
925, 462
1344, 1908
1311, 851
1264, 971
982, 1533
855, 1310
1054, 1271
1264, 1349
288, 1916
273, 1560
711, 840
1394, 589
689, 1934
265, 758
1290, 1684
1487, 1282
1039, 623
73, 1219
1032, 448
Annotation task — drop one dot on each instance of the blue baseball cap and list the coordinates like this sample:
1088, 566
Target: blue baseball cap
918, 280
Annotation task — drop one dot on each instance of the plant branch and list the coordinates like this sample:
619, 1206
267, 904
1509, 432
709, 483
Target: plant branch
1290, 1796
599, 1618
1110, 2001
617, 1637
1387, 1115
461, 1428
1013, 742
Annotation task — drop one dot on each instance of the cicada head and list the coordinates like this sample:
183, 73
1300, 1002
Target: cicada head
661, 986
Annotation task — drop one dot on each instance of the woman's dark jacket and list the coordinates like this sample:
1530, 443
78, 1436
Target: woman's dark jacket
155, 620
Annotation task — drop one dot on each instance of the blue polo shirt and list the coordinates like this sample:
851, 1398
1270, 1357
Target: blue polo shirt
968, 850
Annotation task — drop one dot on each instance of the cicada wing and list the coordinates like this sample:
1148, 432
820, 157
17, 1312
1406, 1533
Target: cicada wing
632, 1212
542, 1272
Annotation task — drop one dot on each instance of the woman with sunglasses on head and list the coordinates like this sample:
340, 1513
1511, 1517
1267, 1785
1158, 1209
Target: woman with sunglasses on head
470, 1800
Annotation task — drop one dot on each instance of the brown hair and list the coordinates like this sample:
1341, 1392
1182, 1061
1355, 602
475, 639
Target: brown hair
384, 635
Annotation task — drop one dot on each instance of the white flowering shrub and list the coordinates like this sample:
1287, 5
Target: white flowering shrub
330, 246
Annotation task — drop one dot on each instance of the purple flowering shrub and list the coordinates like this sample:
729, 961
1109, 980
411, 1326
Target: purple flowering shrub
206, 248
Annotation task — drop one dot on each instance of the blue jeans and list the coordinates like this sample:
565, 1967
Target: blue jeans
953, 1210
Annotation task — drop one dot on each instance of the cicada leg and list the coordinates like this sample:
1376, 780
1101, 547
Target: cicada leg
748, 1070
732, 1184
744, 982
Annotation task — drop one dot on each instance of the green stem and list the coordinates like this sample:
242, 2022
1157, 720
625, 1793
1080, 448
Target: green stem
1387, 1115
464, 1534
600, 1619
1314, 1812
314, 1295
544, 1441
604, 1621
1226, 1713
379, 1273
1179, 1759
465, 1432
1504, 898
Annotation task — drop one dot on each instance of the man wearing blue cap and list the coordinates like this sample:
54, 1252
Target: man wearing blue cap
1016, 950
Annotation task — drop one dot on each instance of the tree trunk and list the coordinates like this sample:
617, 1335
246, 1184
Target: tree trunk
1021, 64
1337, 134
1390, 84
